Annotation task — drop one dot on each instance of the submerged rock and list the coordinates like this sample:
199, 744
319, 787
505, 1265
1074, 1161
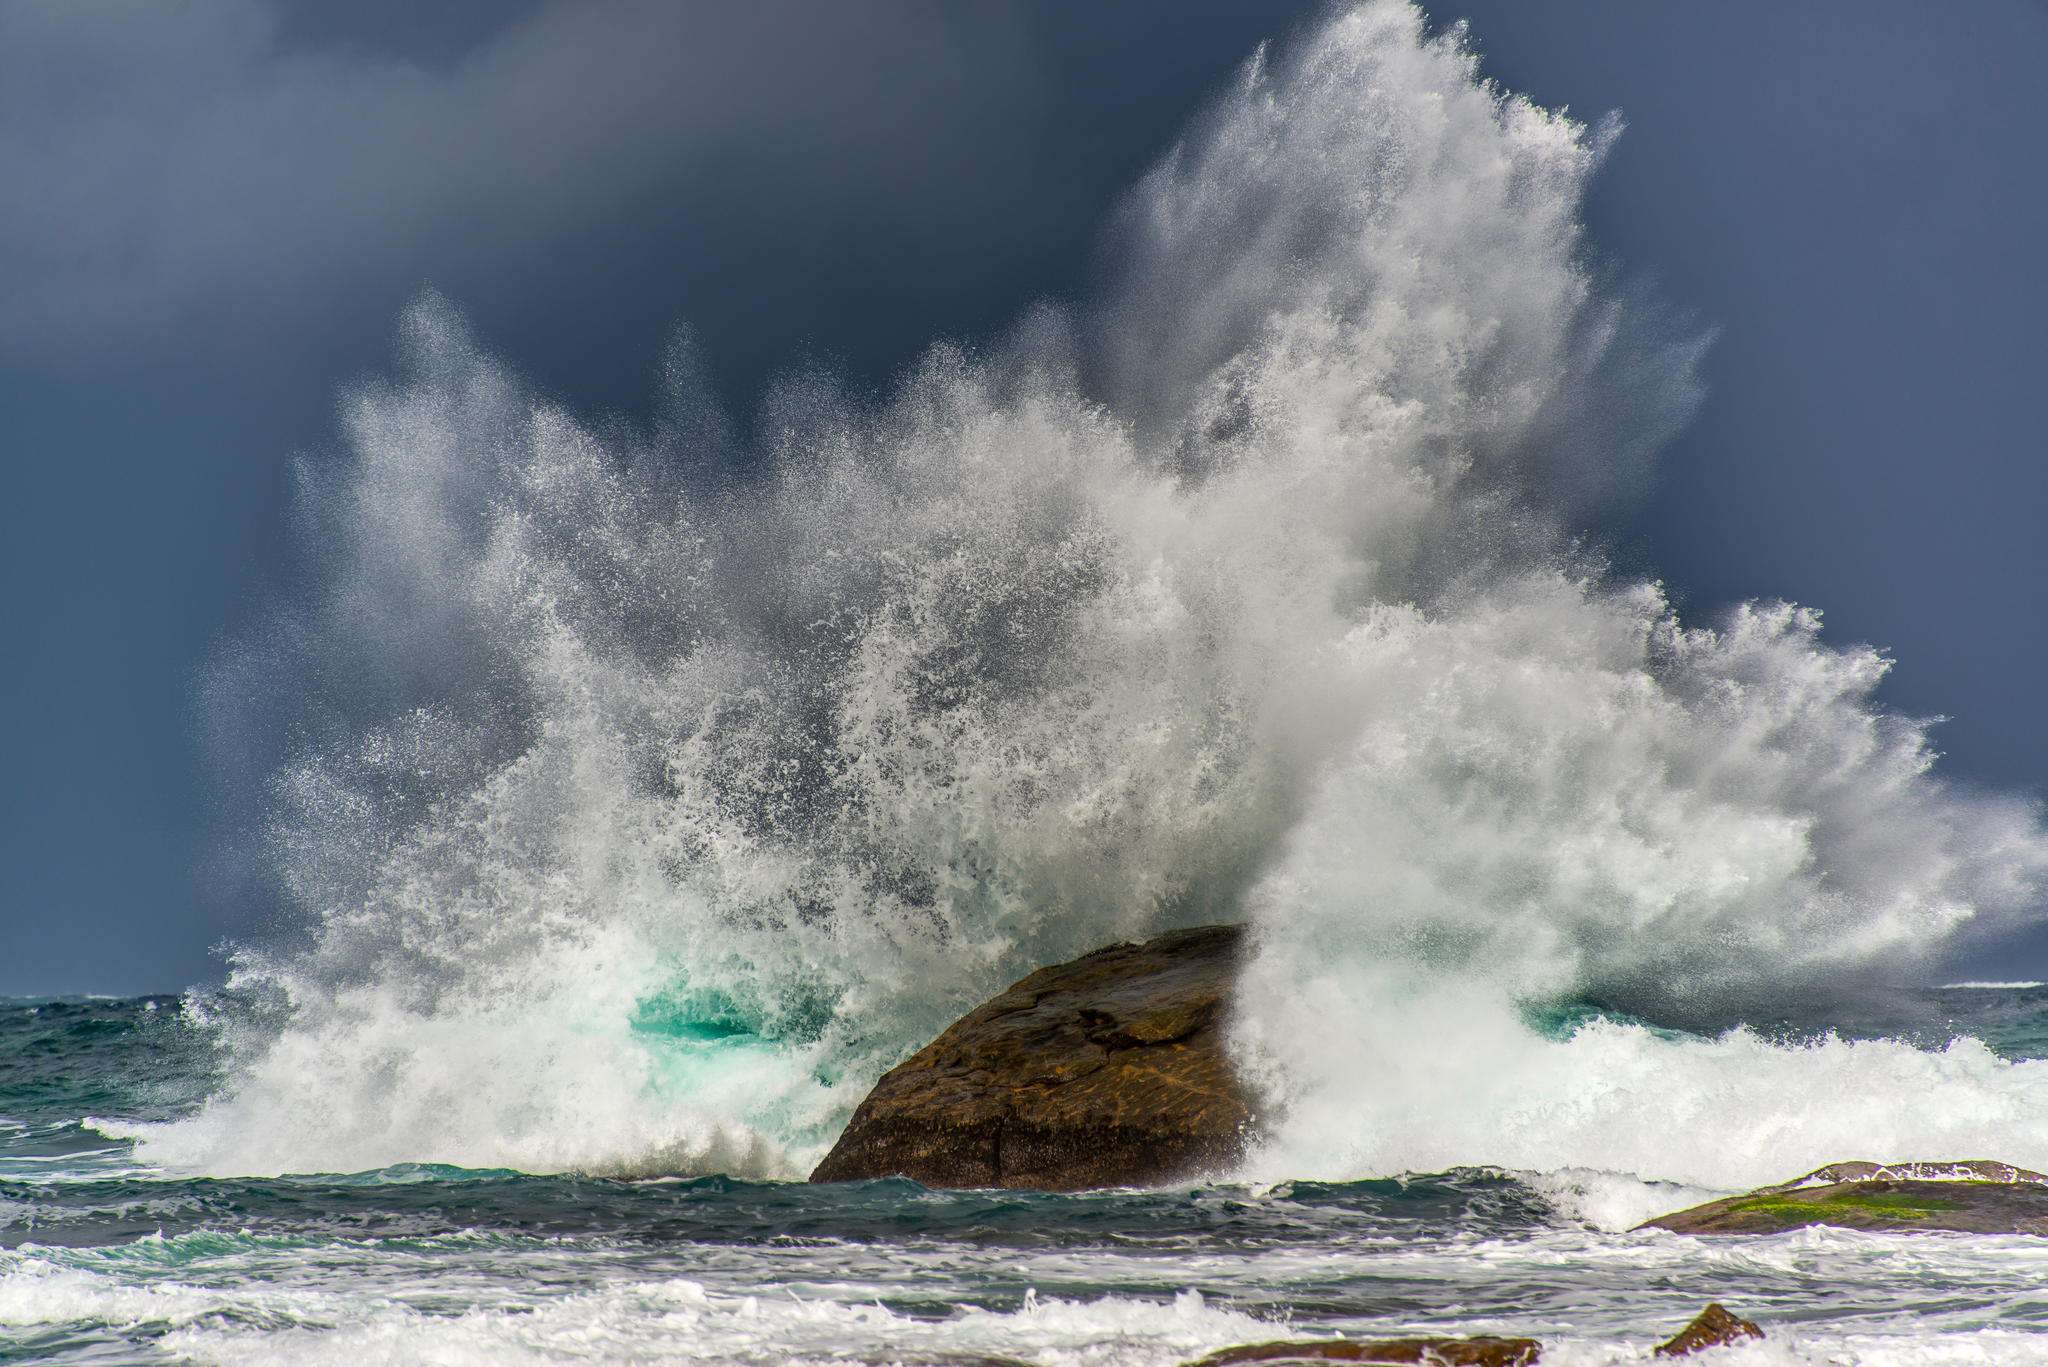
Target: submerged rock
1106, 1071
1477, 1352
1973, 1197
1714, 1326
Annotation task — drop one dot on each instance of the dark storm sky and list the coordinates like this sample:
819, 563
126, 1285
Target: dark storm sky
214, 210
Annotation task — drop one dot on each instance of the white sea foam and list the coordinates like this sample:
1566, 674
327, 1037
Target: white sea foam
1108, 1333
34, 1295
642, 813
1614, 1201
1452, 1077
682, 1321
1593, 1299
36, 1292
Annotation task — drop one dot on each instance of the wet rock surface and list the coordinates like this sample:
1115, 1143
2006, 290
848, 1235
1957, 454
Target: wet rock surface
1973, 1197
1713, 1327
1105, 1071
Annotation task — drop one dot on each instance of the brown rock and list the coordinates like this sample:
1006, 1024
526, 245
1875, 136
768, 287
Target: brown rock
1973, 1197
1715, 1326
1479, 1352
1106, 1071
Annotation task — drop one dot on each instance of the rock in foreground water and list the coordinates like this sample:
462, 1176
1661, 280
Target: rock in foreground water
1106, 1071
1973, 1197
1711, 1328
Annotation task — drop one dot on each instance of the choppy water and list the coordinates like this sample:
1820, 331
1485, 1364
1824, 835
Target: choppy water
634, 795
106, 1259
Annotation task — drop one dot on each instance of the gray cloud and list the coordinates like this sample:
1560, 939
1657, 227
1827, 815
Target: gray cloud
201, 169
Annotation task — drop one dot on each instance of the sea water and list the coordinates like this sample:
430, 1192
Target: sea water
105, 1258
633, 794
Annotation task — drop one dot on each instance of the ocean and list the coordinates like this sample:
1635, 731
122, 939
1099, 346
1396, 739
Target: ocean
108, 1258
625, 795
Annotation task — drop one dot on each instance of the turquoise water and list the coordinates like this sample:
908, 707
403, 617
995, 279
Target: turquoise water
105, 1260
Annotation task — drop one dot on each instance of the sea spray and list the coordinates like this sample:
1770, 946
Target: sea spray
643, 801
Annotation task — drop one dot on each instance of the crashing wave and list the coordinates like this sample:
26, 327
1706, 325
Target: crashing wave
647, 793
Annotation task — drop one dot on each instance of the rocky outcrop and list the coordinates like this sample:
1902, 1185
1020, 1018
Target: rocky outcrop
1974, 1197
1711, 1328
1106, 1071
1479, 1352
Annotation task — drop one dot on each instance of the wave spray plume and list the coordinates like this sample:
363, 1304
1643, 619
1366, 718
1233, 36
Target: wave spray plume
643, 812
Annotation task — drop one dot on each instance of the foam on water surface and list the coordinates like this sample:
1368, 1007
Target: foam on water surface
638, 795
2027, 986
1593, 1299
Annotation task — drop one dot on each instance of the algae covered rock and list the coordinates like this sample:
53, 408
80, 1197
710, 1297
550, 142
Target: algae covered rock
1106, 1071
1711, 1328
1974, 1197
1421, 1352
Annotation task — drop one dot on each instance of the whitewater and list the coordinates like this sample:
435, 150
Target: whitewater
640, 792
